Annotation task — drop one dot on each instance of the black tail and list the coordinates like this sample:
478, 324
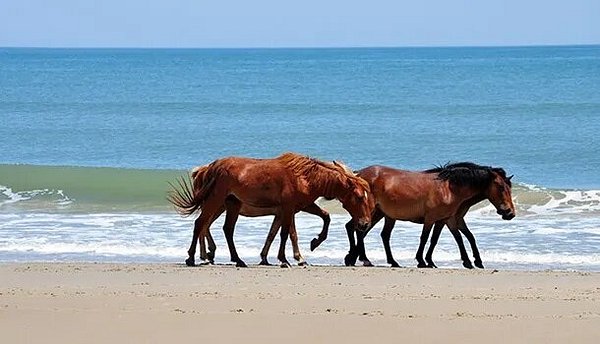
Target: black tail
182, 196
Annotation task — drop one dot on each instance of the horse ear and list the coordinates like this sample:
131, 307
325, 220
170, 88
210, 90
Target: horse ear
336, 163
509, 178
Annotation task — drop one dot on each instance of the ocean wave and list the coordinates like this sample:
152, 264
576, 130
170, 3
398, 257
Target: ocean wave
94, 190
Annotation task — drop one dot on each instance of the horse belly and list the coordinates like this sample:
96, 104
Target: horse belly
405, 212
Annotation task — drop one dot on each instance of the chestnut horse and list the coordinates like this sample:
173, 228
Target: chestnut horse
288, 183
249, 211
438, 196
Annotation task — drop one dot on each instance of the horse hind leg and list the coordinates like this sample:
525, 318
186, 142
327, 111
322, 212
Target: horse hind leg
201, 230
386, 234
233, 207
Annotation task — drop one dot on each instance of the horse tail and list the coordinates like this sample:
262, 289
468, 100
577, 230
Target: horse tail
189, 193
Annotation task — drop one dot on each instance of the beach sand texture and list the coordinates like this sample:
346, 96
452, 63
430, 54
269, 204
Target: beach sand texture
159, 303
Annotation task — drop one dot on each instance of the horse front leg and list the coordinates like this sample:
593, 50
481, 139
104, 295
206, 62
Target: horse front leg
435, 236
453, 226
423, 241
352, 256
360, 236
270, 237
316, 210
287, 217
471, 238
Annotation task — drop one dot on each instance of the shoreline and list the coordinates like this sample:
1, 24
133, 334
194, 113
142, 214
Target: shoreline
156, 302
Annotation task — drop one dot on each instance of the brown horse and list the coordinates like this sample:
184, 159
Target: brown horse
437, 196
288, 183
249, 211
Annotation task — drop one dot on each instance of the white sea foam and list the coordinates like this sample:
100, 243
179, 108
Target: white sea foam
533, 242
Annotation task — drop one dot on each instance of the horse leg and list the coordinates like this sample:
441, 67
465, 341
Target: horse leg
212, 247
294, 239
386, 234
272, 233
201, 227
316, 210
355, 251
360, 236
471, 238
424, 236
435, 235
352, 256
461, 246
286, 223
210, 255
233, 207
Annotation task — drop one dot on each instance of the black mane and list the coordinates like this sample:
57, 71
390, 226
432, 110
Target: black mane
468, 174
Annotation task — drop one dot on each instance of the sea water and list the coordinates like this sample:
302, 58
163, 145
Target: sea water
90, 138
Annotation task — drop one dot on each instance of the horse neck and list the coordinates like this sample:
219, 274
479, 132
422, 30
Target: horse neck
324, 182
469, 193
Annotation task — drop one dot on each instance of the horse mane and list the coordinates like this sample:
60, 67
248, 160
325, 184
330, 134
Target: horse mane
468, 174
302, 165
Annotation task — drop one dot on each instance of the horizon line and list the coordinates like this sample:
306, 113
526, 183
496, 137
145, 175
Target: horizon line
304, 47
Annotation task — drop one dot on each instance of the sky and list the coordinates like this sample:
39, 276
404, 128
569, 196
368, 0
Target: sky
306, 23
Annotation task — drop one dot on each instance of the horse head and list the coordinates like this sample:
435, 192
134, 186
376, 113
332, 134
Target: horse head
359, 201
499, 194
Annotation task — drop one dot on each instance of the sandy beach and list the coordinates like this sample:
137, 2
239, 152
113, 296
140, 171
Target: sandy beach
84, 302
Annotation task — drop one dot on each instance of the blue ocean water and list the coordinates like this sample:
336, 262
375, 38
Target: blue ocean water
151, 113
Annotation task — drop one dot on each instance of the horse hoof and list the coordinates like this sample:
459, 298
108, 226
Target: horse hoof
302, 263
395, 264
204, 262
241, 264
479, 264
314, 243
431, 264
468, 265
265, 263
367, 263
422, 265
349, 260
285, 265
190, 262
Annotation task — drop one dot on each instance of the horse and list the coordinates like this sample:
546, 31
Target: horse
439, 196
197, 177
288, 183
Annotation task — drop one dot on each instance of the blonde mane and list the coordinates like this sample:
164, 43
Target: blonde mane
303, 166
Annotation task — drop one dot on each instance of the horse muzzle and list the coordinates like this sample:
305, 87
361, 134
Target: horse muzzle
507, 214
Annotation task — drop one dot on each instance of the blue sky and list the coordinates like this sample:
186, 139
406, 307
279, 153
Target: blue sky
307, 23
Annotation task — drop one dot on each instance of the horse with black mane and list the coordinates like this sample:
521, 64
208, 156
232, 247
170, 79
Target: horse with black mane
439, 196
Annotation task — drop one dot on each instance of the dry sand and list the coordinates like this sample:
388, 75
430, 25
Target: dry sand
160, 303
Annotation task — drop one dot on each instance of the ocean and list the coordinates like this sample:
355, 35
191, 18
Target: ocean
90, 138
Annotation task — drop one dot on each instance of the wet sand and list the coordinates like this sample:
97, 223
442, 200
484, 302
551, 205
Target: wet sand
158, 303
